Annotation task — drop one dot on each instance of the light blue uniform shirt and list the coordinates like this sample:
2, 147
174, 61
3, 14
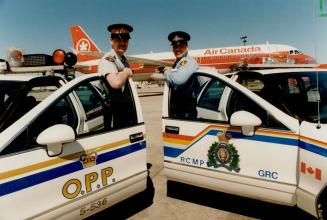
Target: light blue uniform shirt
183, 70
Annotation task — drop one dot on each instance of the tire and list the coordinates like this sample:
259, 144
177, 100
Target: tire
322, 205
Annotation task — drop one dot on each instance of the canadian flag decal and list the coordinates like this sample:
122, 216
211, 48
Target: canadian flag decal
314, 172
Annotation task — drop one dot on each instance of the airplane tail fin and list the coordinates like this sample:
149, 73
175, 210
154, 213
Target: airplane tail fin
88, 54
81, 41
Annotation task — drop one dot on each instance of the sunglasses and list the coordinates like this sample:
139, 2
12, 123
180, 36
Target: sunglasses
124, 37
178, 44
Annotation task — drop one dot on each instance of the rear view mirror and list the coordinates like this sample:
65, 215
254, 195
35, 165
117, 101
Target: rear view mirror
54, 137
246, 120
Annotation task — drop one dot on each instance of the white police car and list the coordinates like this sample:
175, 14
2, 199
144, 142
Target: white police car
63, 153
264, 140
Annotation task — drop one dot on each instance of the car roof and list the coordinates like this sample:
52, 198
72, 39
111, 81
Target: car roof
19, 77
266, 71
288, 70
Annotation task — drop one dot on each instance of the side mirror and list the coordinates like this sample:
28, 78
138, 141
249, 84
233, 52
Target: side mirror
246, 120
54, 137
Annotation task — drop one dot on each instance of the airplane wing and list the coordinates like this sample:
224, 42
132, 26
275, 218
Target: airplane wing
93, 53
148, 62
136, 77
133, 60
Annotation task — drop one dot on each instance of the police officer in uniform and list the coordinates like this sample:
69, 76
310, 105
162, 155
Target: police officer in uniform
115, 68
183, 84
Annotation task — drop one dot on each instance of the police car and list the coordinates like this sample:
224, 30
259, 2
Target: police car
258, 133
62, 155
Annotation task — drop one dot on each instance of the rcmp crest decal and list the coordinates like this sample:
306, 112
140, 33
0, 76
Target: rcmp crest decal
223, 154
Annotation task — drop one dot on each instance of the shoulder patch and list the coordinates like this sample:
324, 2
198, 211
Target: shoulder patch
110, 58
183, 62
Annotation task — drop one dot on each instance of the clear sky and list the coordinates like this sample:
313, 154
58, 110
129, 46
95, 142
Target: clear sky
40, 26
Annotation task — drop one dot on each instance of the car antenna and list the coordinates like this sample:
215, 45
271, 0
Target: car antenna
318, 101
317, 75
317, 94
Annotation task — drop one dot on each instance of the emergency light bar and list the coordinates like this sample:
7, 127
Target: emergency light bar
37, 69
59, 62
16, 58
61, 57
37, 60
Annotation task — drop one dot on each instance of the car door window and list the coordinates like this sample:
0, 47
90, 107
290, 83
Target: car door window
283, 91
91, 101
61, 112
211, 95
294, 93
240, 102
106, 108
95, 102
217, 101
208, 99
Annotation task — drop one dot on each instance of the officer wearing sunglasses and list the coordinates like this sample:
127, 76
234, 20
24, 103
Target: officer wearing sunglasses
183, 84
115, 68
114, 64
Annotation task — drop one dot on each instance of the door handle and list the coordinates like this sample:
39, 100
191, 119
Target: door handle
172, 129
136, 137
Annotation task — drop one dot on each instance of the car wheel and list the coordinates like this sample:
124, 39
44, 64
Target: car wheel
322, 205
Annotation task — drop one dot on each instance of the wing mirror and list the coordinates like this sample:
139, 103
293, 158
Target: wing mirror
54, 137
246, 120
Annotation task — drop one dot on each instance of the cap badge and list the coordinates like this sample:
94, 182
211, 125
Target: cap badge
176, 38
120, 31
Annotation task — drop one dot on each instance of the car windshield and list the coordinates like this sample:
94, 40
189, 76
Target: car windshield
296, 93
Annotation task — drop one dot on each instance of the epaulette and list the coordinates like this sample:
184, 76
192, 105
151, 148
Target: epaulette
183, 62
111, 58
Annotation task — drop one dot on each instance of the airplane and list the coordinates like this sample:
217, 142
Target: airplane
88, 57
223, 59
